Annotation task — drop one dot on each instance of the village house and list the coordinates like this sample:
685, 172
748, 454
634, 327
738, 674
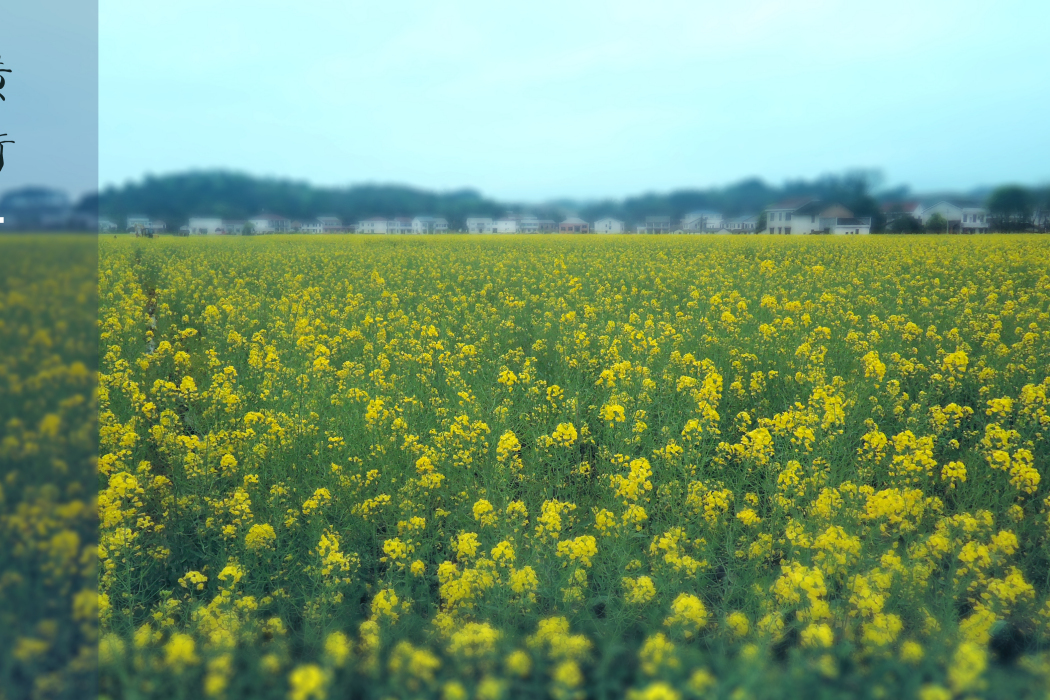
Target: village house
399, 224
137, 222
480, 224
144, 224
802, 216
429, 224
205, 225
608, 225
323, 224
778, 216
269, 223
703, 221
40, 208
532, 224
961, 219
508, 224
376, 224
741, 224
655, 224
847, 225
824, 217
331, 224
574, 224
975, 220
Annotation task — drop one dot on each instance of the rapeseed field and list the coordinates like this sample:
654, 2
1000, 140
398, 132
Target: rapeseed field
48, 453
574, 467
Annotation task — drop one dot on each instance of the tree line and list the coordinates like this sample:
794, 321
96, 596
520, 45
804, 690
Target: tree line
230, 195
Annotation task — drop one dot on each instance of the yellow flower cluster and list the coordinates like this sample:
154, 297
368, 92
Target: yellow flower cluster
659, 467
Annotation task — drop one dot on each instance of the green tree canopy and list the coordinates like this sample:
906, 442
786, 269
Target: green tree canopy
1010, 208
230, 195
937, 224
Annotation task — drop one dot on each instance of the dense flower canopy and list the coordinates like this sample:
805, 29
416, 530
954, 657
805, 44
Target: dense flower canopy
573, 466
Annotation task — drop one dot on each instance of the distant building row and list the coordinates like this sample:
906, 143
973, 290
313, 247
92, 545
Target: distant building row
402, 224
701, 221
272, 223
793, 216
213, 225
263, 223
808, 215
957, 218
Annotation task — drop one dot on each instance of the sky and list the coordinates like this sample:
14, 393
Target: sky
540, 100
50, 107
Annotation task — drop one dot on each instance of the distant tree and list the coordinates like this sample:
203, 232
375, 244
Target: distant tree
1010, 208
905, 223
760, 225
937, 224
247, 229
1042, 200
230, 195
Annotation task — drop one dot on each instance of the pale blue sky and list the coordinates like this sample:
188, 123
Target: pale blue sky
50, 107
536, 100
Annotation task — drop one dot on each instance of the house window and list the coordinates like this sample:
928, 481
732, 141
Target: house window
787, 229
787, 217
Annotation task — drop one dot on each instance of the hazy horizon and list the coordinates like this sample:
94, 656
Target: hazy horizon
979, 190
578, 100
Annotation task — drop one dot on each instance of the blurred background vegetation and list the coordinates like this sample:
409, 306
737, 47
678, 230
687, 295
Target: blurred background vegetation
231, 195
48, 455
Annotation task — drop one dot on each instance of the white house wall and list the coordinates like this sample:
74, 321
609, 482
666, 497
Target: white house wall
945, 209
844, 230
207, 225
480, 225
